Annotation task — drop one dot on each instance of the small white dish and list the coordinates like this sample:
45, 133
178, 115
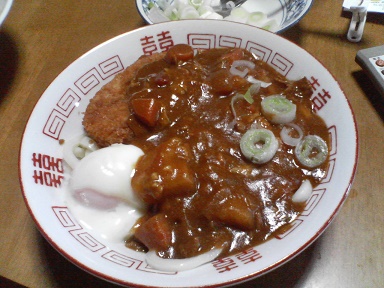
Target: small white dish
58, 115
285, 13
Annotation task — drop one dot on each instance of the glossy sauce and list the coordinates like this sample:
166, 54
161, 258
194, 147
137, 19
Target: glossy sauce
201, 191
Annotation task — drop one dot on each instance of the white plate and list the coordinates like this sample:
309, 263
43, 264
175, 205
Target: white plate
286, 12
58, 115
5, 6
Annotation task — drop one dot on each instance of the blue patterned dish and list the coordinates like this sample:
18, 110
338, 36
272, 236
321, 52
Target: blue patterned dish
286, 12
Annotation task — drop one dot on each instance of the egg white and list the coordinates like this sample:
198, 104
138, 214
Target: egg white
100, 192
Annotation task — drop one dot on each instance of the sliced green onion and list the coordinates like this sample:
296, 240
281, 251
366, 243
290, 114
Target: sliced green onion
303, 193
244, 65
79, 152
311, 151
262, 84
88, 144
248, 95
163, 4
189, 12
175, 10
214, 16
287, 138
172, 13
238, 14
196, 3
76, 148
278, 109
256, 18
233, 101
205, 10
254, 89
157, 15
259, 145
270, 25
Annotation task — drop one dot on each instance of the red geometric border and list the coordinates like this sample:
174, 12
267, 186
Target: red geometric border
122, 260
130, 262
87, 240
76, 230
329, 171
229, 42
70, 99
281, 64
111, 66
65, 218
333, 139
312, 202
54, 124
88, 81
82, 236
68, 102
202, 41
260, 51
296, 223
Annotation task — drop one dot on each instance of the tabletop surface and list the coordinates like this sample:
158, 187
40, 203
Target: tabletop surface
41, 38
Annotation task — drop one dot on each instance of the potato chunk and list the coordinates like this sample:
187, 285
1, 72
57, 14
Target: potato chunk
164, 172
230, 209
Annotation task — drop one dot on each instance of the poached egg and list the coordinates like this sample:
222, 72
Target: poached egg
100, 192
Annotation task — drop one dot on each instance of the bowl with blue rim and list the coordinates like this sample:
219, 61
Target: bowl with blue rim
273, 15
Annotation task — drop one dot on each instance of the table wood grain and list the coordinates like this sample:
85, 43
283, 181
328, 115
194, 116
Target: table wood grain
40, 38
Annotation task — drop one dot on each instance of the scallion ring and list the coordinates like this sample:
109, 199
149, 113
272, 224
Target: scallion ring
252, 90
247, 97
285, 134
244, 65
262, 84
278, 109
311, 151
259, 145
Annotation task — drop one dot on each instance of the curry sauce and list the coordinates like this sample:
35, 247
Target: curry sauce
200, 190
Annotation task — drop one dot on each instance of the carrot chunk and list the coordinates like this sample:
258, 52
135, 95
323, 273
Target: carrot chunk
147, 110
155, 233
235, 54
179, 53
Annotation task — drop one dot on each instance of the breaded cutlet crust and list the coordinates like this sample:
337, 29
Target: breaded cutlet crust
106, 117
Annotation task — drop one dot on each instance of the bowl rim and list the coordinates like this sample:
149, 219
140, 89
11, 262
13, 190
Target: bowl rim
238, 280
293, 23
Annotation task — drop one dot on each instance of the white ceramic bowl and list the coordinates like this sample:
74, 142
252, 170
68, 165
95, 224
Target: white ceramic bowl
58, 115
286, 13
5, 6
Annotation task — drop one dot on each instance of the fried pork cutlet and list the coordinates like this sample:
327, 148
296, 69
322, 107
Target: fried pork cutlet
106, 117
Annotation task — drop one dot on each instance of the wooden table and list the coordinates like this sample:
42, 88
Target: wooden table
41, 38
